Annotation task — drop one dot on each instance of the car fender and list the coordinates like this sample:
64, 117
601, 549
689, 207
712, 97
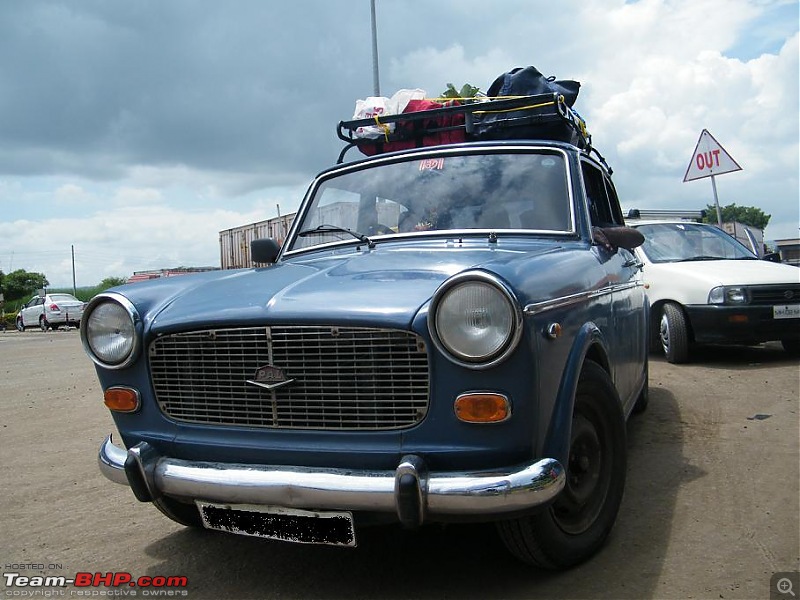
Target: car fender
588, 343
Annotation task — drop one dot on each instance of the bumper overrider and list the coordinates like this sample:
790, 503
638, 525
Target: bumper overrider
410, 491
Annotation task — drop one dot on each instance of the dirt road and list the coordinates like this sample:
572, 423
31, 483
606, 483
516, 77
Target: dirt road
711, 507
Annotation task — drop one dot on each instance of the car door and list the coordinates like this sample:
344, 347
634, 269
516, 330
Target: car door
32, 311
627, 335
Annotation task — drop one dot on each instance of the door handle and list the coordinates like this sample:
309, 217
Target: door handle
632, 262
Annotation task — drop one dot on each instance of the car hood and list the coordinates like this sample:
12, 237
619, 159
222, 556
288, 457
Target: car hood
386, 287
725, 272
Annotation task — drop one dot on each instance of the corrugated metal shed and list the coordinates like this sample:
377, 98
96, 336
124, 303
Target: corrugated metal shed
234, 244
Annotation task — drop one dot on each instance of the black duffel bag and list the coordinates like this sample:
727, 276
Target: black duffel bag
531, 122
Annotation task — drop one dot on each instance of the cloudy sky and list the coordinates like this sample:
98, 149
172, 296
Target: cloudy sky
134, 132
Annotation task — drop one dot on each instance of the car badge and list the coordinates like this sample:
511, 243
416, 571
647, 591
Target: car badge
270, 378
788, 294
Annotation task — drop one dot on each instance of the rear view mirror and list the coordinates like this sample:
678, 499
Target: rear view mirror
622, 237
264, 250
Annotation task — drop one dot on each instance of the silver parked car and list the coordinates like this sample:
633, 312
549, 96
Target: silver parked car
50, 311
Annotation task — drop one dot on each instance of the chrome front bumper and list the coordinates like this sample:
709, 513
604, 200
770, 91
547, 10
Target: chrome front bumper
409, 491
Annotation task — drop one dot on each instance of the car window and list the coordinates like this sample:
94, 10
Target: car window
601, 197
63, 298
672, 242
523, 191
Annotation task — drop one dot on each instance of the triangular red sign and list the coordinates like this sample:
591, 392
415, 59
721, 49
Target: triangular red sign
709, 158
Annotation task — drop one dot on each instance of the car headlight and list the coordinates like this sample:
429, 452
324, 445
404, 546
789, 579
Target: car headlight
110, 332
728, 295
475, 320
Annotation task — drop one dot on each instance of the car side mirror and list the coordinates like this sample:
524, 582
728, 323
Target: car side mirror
772, 257
264, 250
623, 237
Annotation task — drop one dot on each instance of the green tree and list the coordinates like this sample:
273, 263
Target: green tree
747, 215
20, 283
110, 282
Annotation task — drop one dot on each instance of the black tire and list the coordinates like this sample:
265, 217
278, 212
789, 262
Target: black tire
20, 326
576, 525
185, 514
791, 346
644, 396
43, 324
674, 333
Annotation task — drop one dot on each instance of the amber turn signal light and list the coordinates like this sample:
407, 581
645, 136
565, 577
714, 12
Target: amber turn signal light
121, 399
482, 408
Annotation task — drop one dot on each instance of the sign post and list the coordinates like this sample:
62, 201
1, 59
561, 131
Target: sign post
708, 160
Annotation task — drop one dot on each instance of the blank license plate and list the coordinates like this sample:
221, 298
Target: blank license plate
278, 523
786, 311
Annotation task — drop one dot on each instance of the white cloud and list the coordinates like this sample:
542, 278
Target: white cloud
166, 142
128, 196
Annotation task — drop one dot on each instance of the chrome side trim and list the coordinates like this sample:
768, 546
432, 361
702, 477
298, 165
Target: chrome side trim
536, 308
540, 307
442, 493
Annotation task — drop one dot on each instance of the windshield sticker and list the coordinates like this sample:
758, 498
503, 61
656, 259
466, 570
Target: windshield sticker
431, 164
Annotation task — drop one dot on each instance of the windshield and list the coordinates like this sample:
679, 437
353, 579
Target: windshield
673, 242
465, 192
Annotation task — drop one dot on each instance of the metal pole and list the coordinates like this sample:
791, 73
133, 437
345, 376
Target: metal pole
74, 289
716, 202
375, 77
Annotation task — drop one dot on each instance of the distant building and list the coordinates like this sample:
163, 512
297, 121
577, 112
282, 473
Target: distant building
157, 273
789, 250
234, 244
752, 237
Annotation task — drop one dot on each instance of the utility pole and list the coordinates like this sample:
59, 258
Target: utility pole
375, 77
74, 288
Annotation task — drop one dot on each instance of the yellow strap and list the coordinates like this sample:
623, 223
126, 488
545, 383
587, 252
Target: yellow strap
481, 112
383, 126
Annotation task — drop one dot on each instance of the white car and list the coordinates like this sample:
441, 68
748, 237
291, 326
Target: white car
705, 287
50, 311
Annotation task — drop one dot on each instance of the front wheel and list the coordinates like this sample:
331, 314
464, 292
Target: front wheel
20, 325
674, 334
578, 522
791, 346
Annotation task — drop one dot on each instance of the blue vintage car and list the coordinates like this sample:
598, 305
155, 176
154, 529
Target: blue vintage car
448, 333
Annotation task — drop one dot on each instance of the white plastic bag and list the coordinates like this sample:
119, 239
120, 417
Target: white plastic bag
381, 106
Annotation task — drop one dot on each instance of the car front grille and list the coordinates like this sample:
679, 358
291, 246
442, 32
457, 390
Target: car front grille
340, 378
786, 293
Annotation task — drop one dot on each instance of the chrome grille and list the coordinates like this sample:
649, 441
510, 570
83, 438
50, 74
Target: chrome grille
343, 378
787, 293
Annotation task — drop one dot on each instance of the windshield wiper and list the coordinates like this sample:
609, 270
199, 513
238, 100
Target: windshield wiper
693, 258
325, 228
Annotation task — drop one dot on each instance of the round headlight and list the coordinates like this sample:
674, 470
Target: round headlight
475, 321
109, 332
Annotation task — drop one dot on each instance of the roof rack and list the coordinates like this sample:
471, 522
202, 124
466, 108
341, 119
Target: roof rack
542, 116
679, 215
